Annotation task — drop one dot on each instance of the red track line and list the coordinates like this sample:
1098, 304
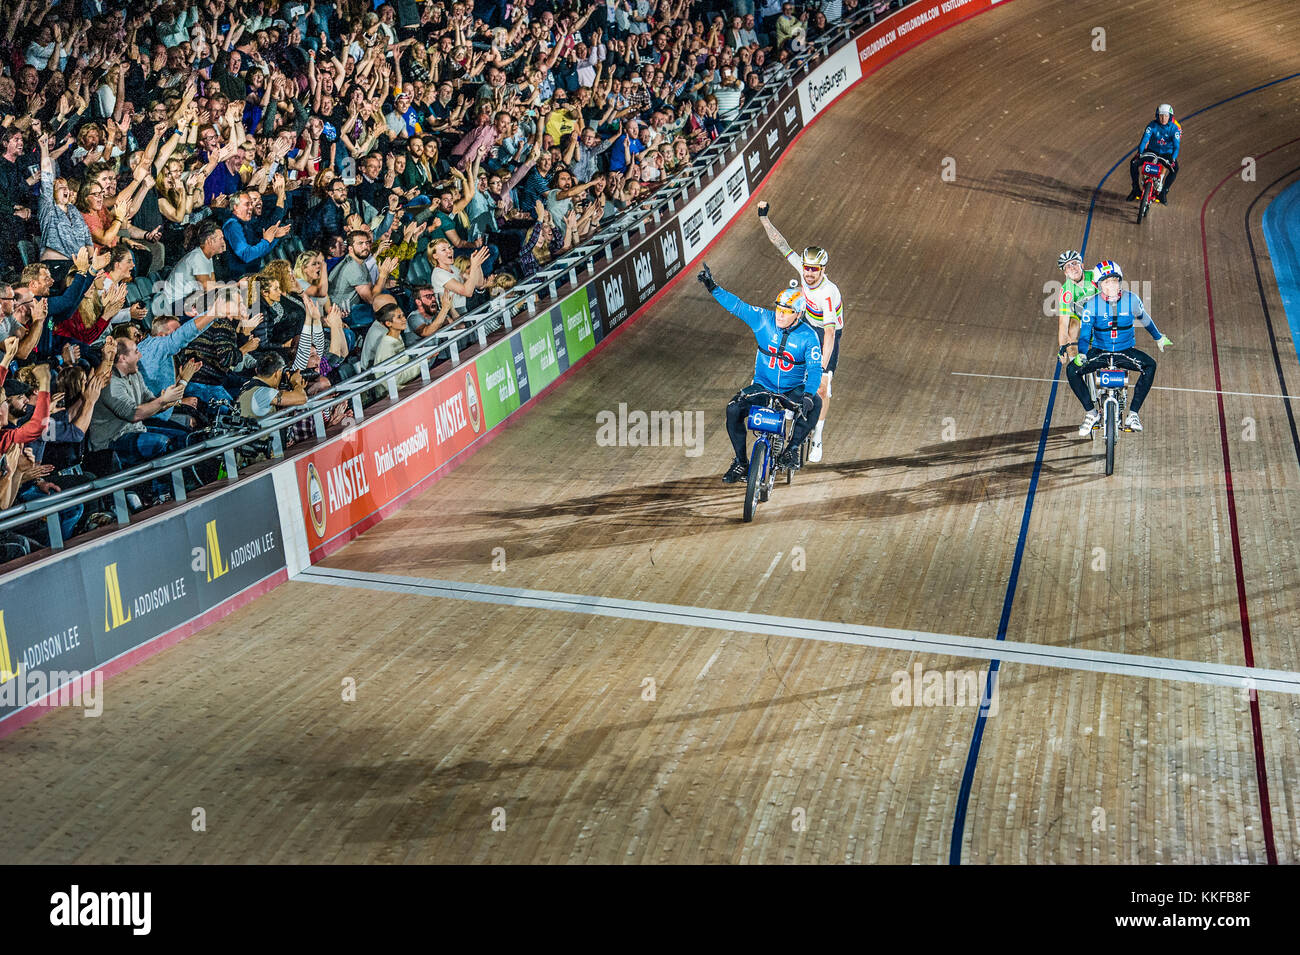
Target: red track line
1261, 771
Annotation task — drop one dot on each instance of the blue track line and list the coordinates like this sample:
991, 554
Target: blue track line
1282, 236
977, 737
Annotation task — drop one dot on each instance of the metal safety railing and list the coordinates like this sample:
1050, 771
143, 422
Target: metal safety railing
603, 247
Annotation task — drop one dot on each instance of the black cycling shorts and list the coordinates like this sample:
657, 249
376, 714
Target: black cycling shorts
835, 354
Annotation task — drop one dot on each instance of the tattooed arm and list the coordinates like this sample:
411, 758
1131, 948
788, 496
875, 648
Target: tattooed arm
773, 234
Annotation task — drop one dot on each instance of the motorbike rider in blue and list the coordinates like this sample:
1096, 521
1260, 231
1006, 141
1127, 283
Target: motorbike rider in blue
1163, 137
789, 362
1105, 330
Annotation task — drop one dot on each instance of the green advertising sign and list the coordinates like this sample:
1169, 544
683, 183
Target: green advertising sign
496, 375
539, 354
577, 325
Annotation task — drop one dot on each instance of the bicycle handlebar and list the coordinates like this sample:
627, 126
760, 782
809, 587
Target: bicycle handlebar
789, 404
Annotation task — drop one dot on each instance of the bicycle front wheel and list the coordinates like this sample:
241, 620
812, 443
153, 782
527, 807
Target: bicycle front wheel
1112, 431
757, 461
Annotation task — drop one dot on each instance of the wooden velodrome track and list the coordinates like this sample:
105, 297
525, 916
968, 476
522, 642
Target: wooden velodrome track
463, 708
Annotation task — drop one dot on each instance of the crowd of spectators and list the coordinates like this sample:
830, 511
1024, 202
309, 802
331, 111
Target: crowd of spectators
210, 205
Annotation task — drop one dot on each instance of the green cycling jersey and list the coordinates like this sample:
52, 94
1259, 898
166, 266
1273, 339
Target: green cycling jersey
1073, 295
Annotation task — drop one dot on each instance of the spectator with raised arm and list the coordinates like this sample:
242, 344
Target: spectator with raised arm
246, 244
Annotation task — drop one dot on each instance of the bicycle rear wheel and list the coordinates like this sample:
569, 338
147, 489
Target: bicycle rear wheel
757, 460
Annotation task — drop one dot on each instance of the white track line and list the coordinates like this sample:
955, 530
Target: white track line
1196, 391
981, 648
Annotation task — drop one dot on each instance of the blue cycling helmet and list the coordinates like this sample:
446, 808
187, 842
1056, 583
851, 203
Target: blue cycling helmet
1106, 269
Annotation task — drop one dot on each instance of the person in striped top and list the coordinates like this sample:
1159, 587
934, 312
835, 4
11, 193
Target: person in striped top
728, 94
823, 308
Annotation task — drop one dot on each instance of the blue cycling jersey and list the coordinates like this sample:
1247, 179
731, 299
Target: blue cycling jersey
1162, 140
788, 358
1108, 326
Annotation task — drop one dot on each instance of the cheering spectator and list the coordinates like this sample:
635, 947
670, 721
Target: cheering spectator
117, 423
63, 229
584, 152
546, 241
385, 339
248, 244
168, 337
431, 313
728, 94
224, 351
29, 432
352, 287
328, 219
195, 272
465, 287
15, 197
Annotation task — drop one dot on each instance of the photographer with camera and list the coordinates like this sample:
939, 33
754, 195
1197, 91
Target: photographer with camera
266, 394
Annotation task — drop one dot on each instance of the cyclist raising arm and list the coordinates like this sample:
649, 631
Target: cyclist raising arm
824, 309
789, 362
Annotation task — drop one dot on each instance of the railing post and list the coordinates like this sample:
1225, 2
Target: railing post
319, 420
277, 444
119, 507
358, 412
56, 530
232, 465
178, 484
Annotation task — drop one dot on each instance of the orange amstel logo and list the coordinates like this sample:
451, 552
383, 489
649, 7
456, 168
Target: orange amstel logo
315, 500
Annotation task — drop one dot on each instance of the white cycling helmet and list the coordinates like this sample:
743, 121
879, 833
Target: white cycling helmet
1165, 110
1107, 269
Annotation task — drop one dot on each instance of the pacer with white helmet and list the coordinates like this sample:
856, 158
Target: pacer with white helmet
823, 308
1164, 137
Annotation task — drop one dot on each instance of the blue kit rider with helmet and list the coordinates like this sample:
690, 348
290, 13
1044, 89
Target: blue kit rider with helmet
789, 362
